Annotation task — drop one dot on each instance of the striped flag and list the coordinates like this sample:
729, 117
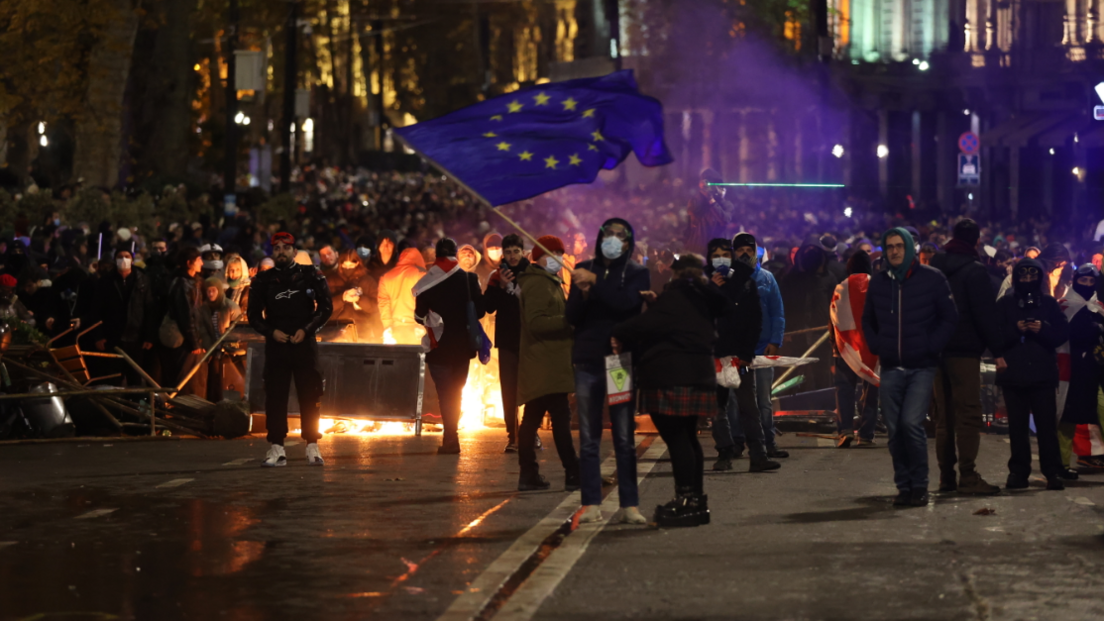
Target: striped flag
847, 310
1088, 440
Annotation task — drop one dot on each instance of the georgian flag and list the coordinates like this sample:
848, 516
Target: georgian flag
1088, 440
847, 310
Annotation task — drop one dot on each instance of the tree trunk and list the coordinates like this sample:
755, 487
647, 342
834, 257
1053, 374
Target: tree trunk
100, 126
170, 89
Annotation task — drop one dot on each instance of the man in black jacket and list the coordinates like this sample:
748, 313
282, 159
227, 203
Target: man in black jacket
502, 298
441, 305
288, 304
1033, 326
737, 335
908, 319
957, 406
124, 305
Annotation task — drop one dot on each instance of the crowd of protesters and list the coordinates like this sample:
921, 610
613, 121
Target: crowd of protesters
685, 275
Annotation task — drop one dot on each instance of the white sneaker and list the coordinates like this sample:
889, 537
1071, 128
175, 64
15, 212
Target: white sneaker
632, 515
275, 457
314, 456
591, 513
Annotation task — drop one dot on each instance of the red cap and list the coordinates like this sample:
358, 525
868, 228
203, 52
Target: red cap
7, 280
283, 237
551, 242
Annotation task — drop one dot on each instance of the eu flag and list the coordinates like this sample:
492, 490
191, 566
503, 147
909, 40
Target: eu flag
534, 140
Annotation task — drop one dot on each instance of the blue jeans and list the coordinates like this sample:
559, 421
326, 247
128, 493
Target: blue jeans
590, 396
763, 380
846, 383
906, 395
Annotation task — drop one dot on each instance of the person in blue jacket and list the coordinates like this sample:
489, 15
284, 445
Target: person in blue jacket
605, 291
745, 250
908, 319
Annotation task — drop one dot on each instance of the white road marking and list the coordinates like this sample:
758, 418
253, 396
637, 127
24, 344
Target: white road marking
95, 513
239, 462
1081, 500
487, 585
531, 594
173, 483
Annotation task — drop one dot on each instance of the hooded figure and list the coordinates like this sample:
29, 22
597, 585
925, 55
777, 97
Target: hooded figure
1079, 371
605, 291
217, 312
1033, 327
708, 210
396, 298
806, 296
356, 297
469, 258
492, 257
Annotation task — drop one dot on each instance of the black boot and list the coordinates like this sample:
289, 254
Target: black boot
683, 511
703, 508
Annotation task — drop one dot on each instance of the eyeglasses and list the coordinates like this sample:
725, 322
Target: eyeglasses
1028, 271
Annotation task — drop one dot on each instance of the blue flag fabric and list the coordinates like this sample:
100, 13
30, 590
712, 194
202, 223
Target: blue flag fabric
534, 140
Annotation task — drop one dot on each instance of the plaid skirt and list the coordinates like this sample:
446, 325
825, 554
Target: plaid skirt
678, 401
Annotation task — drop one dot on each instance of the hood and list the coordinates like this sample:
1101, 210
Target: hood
353, 274
899, 273
461, 249
810, 258
950, 263
632, 239
1023, 264
244, 281
215, 282
491, 239
412, 256
715, 243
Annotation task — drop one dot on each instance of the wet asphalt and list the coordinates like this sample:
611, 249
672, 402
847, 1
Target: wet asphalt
191, 529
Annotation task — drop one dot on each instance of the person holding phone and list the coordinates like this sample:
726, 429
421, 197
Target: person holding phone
1033, 326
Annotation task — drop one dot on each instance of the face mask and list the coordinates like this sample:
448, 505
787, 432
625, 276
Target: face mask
123, 264
552, 264
721, 262
494, 254
212, 265
364, 253
1085, 291
611, 247
746, 260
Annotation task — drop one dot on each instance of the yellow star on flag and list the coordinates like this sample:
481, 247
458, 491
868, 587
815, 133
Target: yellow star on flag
490, 135
588, 113
575, 160
550, 162
497, 117
503, 146
542, 99
526, 156
514, 106
592, 148
570, 103
597, 136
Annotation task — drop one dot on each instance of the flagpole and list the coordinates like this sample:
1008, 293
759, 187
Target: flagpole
481, 198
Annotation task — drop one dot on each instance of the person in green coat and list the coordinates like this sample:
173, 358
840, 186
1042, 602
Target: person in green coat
545, 374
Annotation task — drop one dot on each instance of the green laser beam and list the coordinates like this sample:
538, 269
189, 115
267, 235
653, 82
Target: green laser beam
782, 185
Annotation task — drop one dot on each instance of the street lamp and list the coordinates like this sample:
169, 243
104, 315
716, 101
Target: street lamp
837, 151
883, 151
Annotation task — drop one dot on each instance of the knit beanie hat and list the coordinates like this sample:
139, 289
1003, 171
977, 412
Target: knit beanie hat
551, 242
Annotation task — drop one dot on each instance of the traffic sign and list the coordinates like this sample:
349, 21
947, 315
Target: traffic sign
968, 143
1098, 113
969, 169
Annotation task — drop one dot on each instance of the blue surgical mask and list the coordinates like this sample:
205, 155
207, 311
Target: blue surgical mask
721, 262
552, 264
364, 254
611, 247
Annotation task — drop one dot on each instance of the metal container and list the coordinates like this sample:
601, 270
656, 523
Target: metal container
48, 417
362, 381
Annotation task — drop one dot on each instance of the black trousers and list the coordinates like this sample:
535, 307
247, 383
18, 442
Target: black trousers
559, 411
680, 433
1022, 404
508, 379
284, 362
749, 418
450, 378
